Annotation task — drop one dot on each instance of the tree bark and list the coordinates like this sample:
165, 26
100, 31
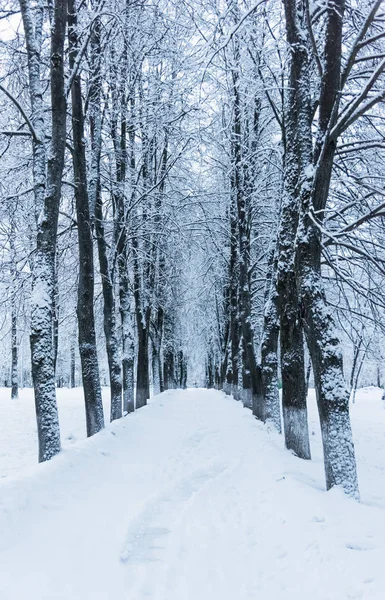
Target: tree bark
15, 364
14, 346
157, 365
55, 319
298, 152
142, 377
47, 177
128, 363
109, 317
85, 305
311, 185
169, 369
96, 204
72, 359
331, 392
269, 347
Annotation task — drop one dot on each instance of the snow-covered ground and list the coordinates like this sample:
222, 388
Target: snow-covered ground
18, 434
190, 498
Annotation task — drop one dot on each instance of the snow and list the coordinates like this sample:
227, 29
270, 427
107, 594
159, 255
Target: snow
188, 498
309, 171
18, 433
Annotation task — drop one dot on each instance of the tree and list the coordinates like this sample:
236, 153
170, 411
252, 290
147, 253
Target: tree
85, 305
47, 180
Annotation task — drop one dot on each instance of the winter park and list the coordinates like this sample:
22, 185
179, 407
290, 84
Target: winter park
192, 266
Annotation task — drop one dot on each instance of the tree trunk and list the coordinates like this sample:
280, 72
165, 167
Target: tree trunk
251, 374
209, 371
184, 373
119, 137
356, 353
14, 346
357, 378
308, 373
269, 348
298, 153
110, 327
72, 359
47, 177
169, 375
55, 318
155, 370
232, 373
15, 366
128, 365
378, 375
143, 376
323, 343
85, 305
332, 394
157, 366
109, 314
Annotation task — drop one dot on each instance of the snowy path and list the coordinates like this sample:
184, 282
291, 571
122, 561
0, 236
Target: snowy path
190, 498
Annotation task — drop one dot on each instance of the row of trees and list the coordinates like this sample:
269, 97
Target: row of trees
321, 97
202, 180
97, 119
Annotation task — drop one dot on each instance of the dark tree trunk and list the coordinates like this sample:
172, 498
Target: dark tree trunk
109, 314
356, 353
308, 373
56, 317
232, 372
157, 366
72, 360
294, 390
14, 346
357, 377
143, 377
298, 152
128, 366
169, 369
184, 373
209, 371
85, 305
332, 394
47, 176
324, 347
15, 364
124, 297
110, 327
269, 348
251, 379
121, 223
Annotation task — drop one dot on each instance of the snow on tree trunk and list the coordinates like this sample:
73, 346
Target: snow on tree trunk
128, 365
298, 152
47, 177
156, 353
269, 348
311, 185
331, 391
143, 371
85, 304
96, 204
169, 369
109, 317
72, 358
15, 365
14, 291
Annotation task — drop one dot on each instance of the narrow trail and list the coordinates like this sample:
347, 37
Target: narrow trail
189, 498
